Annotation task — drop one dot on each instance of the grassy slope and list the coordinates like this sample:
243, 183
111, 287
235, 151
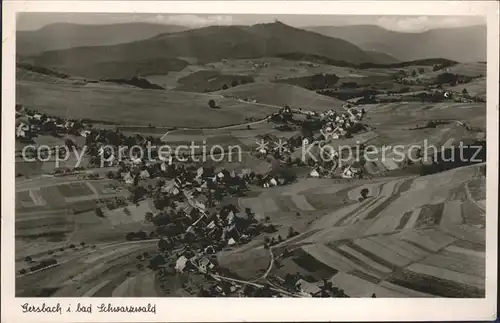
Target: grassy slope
130, 106
284, 94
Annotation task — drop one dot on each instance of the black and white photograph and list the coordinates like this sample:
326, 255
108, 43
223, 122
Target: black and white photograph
198, 155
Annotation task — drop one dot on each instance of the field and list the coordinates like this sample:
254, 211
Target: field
283, 94
129, 106
407, 236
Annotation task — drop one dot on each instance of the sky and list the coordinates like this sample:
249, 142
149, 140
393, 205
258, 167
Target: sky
33, 21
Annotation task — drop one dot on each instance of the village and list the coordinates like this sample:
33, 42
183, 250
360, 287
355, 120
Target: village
194, 220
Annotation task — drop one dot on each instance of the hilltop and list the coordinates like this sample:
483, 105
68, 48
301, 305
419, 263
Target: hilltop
67, 35
207, 44
464, 44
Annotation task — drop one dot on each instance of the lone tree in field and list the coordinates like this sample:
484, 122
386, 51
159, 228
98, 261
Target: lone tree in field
211, 103
28, 259
364, 193
149, 217
465, 92
224, 87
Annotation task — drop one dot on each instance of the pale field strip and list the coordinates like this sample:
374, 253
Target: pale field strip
389, 163
92, 189
40, 214
301, 203
390, 216
142, 285
357, 287
413, 219
354, 231
87, 273
373, 190
334, 259
398, 246
464, 232
405, 291
329, 220
425, 240
112, 253
355, 217
447, 274
37, 197
96, 288
467, 252
126, 288
364, 259
455, 262
383, 252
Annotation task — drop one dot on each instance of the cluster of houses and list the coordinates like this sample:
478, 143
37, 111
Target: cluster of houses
32, 123
339, 125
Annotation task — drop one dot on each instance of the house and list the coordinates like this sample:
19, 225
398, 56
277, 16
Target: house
128, 178
314, 173
180, 264
85, 133
307, 287
204, 265
144, 174
348, 172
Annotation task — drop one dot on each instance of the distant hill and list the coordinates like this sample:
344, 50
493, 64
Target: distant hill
207, 45
67, 35
464, 44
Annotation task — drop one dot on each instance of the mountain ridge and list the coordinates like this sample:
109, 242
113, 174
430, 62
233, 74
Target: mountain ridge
463, 44
208, 44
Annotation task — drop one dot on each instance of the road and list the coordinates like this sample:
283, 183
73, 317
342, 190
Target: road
469, 196
219, 128
111, 245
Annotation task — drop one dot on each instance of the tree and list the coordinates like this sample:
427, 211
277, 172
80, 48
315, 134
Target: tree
163, 244
234, 83
364, 193
28, 259
291, 233
211, 103
414, 73
141, 235
157, 261
149, 217
82, 244
465, 92
99, 212
224, 87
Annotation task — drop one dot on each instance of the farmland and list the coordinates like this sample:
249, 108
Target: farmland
136, 106
250, 211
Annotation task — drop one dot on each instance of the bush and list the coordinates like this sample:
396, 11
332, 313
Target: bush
72, 246
28, 259
211, 103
